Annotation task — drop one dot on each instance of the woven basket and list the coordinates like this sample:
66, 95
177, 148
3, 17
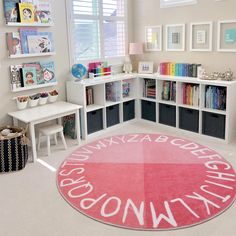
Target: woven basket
13, 150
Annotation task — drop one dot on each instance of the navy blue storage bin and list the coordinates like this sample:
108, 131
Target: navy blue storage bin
189, 119
213, 124
167, 115
113, 115
94, 121
128, 110
148, 110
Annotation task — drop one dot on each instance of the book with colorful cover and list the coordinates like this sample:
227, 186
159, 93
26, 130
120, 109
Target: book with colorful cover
13, 43
39, 44
48, 72
49, 36
43, 11
16, 76
26, 11
39, 70
11, 10
29, 76
24, 33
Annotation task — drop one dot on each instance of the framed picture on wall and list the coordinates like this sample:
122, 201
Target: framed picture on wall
201, 36
226, 36
153, 38
145, 67
175, 37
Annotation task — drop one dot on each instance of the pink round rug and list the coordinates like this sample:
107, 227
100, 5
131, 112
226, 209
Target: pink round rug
147, 182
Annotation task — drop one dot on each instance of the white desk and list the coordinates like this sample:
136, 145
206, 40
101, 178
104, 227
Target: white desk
40, 114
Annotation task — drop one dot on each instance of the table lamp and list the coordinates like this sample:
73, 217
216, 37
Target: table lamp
134, 49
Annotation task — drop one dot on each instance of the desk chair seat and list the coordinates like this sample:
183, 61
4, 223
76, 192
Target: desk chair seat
49, 131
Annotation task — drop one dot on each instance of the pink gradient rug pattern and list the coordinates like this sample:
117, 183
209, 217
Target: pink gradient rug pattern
147, 182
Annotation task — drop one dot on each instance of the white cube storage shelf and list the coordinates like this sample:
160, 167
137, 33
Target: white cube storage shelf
158, 109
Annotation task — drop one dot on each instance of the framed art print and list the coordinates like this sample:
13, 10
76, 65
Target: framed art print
175, 37
201, 36
145, 67
153, 38
227, 36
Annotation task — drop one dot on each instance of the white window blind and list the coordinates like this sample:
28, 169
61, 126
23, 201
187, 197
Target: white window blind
97, 29
175, 3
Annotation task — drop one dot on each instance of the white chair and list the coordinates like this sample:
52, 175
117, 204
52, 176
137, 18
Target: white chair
51, 130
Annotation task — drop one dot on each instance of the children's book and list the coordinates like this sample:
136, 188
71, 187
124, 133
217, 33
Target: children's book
16, 76
44, 11
39, 44
48, 72
13, 43
38, 68
11, 10
26, 10
29, 76
24, 32
49, 36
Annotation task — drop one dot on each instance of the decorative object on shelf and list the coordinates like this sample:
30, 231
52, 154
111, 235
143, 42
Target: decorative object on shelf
22, 102
127, 68
79, 71
135, 49
53, 95
228, 75
97, 69
153, 38
227, 36
43, 98
175, 37
201, 36
206, 76
145, 67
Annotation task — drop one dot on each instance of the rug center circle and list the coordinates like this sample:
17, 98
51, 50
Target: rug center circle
147, 181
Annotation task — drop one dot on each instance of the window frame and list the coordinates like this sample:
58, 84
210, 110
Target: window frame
112, 60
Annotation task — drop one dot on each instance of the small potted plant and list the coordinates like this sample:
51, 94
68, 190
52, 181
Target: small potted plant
33, 100
22, 102
43, 98
53, 95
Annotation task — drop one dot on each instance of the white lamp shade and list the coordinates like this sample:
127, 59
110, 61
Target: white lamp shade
135, 48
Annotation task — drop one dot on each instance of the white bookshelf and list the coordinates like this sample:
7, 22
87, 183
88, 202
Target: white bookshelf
36, 24
32, 55
34, 87
201, 116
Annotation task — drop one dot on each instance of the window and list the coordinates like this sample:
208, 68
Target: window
97, 29
175, 3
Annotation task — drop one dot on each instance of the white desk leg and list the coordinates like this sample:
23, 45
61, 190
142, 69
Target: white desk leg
33, 142
15, 121
77, 126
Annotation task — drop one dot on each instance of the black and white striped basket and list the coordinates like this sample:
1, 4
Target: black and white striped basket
13, 150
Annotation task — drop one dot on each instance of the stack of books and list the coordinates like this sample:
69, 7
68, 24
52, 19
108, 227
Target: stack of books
113, 92
180, 69
29, 40
89, 96
34, 73
149, 88
28, 11
169, 91
190, 94
215, 97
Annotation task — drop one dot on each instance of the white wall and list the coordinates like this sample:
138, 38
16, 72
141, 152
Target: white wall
61, 60
148, 13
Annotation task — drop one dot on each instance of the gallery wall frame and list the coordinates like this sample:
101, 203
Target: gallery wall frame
153, 38
201, 36
226, 39
175, 37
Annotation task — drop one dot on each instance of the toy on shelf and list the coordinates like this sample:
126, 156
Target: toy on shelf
97, 69
79, 71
